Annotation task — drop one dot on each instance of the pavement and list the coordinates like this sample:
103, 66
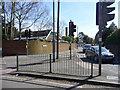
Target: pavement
105, 79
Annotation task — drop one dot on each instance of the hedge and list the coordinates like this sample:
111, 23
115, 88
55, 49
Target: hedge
113, 38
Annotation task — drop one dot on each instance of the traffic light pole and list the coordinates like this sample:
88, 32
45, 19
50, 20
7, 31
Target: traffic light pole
53, 31
70, 38
102, 17
100, 45
100, 36
70, 47
27, 44
58, 30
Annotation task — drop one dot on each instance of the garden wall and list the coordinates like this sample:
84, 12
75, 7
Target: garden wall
10, 47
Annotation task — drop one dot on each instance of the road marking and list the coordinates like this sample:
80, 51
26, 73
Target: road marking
112, 77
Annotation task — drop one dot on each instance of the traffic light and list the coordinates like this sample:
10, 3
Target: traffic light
105, 10
97, 13
72, 28
30, 33
26, 33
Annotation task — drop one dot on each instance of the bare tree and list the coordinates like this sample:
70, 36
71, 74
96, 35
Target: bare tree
12, 20
62, 27
9, 9
44, 22
28, 13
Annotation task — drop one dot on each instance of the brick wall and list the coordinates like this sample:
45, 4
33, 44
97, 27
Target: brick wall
13, 47
35, 47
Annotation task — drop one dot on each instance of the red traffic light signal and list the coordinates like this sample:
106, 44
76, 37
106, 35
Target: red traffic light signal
26, 33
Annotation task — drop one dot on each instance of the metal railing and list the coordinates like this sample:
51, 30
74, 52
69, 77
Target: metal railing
77, 65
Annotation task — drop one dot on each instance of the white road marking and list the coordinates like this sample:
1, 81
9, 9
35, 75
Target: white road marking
112, 77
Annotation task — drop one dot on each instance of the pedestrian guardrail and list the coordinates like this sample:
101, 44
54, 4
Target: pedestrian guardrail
78, 64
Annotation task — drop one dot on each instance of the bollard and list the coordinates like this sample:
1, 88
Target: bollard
17, 63
50, 63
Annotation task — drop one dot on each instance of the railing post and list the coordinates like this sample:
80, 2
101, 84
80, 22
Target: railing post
17, 63
50, 63
91, 66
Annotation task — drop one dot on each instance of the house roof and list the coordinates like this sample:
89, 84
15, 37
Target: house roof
43, 34
40, 33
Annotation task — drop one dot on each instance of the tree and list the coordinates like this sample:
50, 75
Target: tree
87, 39
8, 10
9, 31
62, 27
106, 32
67, 38
4, 31
25, 14
45, 22
113, 38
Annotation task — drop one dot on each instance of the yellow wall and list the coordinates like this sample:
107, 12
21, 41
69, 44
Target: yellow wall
36, 47
11, 47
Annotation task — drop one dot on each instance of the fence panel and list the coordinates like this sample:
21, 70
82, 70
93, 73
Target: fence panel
77, 65
36, 63
73, 66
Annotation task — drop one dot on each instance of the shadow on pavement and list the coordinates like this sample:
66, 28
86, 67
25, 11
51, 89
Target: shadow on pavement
115, 62
26, 81
75, 86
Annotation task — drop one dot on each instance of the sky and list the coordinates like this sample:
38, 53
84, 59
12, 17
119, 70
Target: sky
82, 13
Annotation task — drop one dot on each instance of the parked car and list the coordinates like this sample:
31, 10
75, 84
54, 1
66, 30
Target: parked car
106, 55
86, 46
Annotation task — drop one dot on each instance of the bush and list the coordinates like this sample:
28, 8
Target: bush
113, 38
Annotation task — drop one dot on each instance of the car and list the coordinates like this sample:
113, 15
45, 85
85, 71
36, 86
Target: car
106, 55
86, 46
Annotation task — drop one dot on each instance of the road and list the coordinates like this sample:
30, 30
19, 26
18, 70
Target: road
12, 81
